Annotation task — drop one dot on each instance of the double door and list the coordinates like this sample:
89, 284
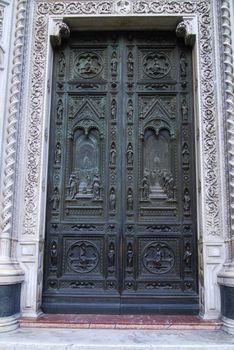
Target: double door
121, 208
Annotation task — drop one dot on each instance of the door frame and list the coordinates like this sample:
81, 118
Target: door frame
53, 27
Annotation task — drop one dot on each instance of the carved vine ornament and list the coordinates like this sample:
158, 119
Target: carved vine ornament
202, 9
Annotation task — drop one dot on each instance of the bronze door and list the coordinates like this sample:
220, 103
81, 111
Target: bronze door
121, 208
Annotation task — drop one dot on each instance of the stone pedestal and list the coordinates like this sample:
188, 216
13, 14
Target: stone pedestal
11, 277
226, 281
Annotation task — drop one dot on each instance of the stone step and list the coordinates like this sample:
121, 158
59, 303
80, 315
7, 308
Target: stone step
156, 322
115, 339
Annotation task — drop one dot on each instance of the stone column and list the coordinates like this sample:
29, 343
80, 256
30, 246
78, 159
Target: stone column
226, 276
12, 20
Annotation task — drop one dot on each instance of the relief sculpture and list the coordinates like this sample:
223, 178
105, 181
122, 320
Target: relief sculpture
61, 63
113, 154
156, 64
130, 111
88, 65
130, 155
130, 64
82, 256
130, 200
158, 181
84, 180
112, 200
111, 257
55, 199
60, 110
114, 64
183, 64
158, 258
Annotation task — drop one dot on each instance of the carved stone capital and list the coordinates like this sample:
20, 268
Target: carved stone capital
59, 30
186, 30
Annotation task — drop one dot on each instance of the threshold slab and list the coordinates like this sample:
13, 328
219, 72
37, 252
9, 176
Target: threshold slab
114, 339
156, 322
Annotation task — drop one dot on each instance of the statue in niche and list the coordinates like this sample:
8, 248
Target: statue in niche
113, 109
188, 255
130, 200
183, 64
55, 199
111, 255
112, 200
130, 64
58, 153
96, 187
130, 256
60, 110
187, 200
73, 186
184, 110
130, 111
61, 63
145, 185
114, 63
171, 187
130, 155
53, 253
113, 154
185, 153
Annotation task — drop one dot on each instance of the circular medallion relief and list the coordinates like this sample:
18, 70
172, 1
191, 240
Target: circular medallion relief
158, 258
88, 64
156, 64
82, 256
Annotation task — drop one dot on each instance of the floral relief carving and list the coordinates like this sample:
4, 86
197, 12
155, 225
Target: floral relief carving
202, 9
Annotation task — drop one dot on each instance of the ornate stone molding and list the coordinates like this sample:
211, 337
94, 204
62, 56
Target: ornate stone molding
185, 29
60, 30
228, 68
11, 130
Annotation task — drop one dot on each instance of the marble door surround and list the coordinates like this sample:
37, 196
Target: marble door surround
38, 26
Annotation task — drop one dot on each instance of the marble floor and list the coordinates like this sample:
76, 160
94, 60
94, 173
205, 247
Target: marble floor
114, 339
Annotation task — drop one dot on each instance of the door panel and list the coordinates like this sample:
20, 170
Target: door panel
121, 216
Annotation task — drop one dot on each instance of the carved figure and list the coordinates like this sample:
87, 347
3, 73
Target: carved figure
185, 153
171, 187
183, 64
114, 64
88, 64
130, 111
61, 63
184, 110
187, 255
113, 154
187, 200
145, 185
130, 256
112, 199
130, 200
53, 253
58, 153
158, 256
130, 155
55, 199
130, 64
113, 109
111, 255
60, 110
156, 65
73, 186
96, 187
